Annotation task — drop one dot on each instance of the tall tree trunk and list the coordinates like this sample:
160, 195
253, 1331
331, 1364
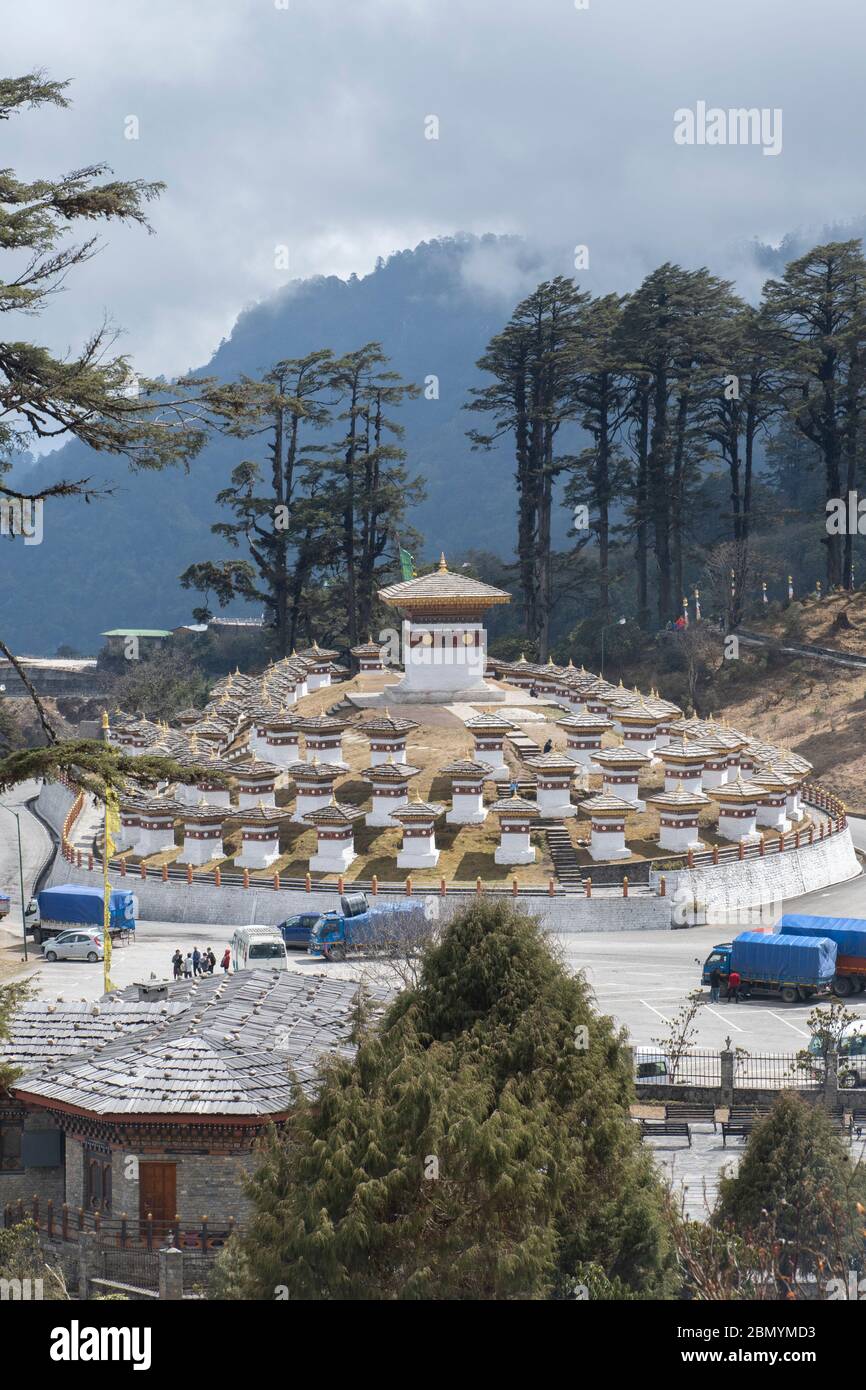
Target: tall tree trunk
641, 489
678, 494
602, 492
659, 505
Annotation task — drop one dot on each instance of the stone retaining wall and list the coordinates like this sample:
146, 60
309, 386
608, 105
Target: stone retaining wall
231, 906
726, 888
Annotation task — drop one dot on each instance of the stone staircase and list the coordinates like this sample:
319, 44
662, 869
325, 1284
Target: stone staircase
566, 866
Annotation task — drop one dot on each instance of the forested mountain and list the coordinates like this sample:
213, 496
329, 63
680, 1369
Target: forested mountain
117, 561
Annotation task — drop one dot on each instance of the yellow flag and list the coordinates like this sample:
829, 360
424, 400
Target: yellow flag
112, 827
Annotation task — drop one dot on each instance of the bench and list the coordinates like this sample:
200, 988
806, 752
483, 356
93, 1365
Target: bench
737, 1129
857, 1121
694, 1114
674, 1129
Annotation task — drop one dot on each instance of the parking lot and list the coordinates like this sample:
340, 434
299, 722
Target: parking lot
639, 978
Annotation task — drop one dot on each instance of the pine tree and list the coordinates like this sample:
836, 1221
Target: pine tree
796, 1194
479, 1146
818, 310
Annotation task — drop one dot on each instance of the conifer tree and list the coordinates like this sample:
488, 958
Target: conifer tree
478, 1146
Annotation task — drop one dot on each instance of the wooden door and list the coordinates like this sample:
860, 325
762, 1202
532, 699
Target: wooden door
157, 1196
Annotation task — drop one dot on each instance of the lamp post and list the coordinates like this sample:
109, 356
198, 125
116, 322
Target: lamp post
620, 622
4, 807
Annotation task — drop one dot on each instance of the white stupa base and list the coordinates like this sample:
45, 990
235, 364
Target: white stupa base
499, 772
219, 797
282, 754
466, 815
554, 805
303, 804
251, 857
315, 682
678, 842
405, 693
329, 757
377, 758
335, 861
383, 815
606, 844
506, 854
772, 820
247, 800
417, 859
153, 842
198, 852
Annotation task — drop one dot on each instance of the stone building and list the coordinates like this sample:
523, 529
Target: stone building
145, 1107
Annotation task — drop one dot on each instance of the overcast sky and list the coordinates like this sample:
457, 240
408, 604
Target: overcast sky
301, 123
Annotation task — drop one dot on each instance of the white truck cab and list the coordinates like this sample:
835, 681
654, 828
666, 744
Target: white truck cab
259, 948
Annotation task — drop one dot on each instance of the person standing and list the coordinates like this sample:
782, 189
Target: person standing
187, 966
226, 960
715, 984
196, 961
177, 964
734, 987
211, 960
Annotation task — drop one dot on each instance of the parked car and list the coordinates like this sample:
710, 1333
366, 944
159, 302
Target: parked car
851, 1050
650, 1066
296, 930
74, 945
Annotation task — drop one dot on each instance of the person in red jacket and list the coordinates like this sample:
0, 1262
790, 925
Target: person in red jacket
734, 987
226, 960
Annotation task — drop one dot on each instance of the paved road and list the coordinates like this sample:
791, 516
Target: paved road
35, 846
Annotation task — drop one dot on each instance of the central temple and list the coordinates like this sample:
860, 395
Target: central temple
444, 641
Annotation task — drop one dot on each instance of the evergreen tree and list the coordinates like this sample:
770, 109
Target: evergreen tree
479, 1145
818, 310
796, 1194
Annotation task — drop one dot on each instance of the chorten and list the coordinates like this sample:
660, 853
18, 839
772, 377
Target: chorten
444, 639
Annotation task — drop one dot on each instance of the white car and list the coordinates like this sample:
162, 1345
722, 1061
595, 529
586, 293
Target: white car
76, 944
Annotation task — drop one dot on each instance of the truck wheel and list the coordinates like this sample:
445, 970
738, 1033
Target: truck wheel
37, 936
843, 986
789, 994
51, 955
339, 952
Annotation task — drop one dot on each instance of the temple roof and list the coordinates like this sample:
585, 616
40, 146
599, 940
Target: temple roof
679, 797
515, 805
467, 767
605, 802
432, 589
336, 813
419, 810
386, 724
390, 772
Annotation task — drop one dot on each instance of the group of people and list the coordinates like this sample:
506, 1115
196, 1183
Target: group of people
197, 962
733, 990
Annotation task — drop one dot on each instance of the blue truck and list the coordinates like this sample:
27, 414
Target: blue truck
78, 904
5, 905
775, 964
359, 927
849, 934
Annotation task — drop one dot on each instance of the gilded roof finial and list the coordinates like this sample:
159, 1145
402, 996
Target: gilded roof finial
443, 568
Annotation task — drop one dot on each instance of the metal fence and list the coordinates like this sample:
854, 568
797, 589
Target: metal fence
777, 1071
140, 1268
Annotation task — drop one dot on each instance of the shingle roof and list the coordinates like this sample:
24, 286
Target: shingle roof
218, 1046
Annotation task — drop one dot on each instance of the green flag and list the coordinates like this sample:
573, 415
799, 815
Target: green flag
407, 564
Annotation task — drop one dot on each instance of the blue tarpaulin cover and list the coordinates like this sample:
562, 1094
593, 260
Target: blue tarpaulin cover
849, 933
797, 959
79, 902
